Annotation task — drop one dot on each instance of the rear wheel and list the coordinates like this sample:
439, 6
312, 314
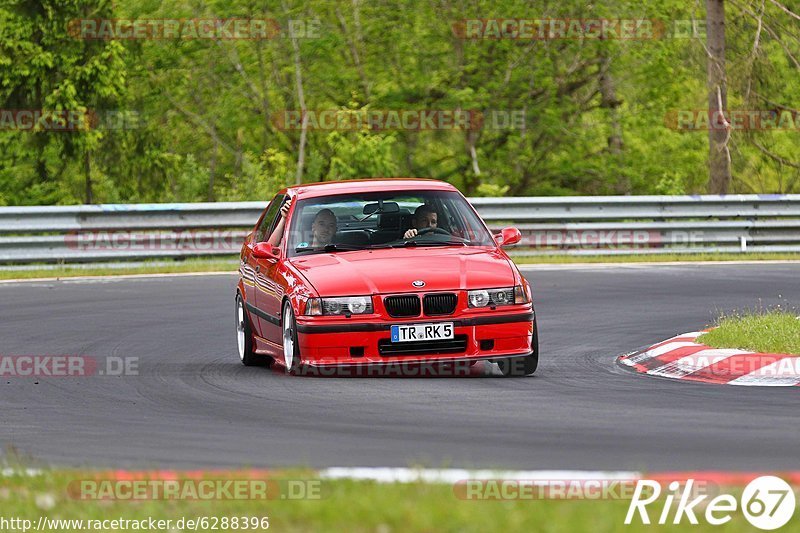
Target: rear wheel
291, 353
244, 335
524, 365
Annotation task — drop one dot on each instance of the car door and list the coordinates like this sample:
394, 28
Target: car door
250, 265
268, 285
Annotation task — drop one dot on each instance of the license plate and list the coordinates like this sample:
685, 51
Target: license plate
422, 332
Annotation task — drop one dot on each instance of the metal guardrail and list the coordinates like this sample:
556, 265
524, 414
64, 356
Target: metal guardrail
608, 225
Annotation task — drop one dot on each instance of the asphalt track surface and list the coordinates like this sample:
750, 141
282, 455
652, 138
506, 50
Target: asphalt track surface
194, 405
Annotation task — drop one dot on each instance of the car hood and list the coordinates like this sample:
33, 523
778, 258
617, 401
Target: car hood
393, 270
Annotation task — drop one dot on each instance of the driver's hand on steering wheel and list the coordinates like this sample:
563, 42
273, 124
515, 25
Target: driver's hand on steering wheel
410, 233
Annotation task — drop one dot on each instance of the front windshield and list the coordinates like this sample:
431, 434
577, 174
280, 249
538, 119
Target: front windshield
383, 220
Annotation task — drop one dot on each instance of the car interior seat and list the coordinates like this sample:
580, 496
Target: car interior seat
390, 228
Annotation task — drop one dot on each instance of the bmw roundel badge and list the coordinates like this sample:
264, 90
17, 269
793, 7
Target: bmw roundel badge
418, 283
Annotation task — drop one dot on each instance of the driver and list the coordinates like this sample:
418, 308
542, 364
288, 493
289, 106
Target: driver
425, 216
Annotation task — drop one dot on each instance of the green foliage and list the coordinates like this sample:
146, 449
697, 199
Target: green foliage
492, 189
362, 154
43, 67
261, 178
208, 107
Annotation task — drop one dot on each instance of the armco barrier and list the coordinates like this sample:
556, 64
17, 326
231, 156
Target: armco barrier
607, 225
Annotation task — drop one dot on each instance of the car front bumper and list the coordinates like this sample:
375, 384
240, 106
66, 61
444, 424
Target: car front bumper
344, 342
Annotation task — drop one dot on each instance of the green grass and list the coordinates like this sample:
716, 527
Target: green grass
343, 506
772, 331
656, 258
151, 267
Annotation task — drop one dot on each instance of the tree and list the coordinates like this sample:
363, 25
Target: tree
593, 109
719, 156
48, 68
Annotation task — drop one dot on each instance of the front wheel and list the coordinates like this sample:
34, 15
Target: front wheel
524, 365
291, 350
244, 335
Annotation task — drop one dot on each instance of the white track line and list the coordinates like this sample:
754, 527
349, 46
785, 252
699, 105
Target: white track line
26, 472
454, 475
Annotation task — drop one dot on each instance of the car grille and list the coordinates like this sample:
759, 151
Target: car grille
402, 306
439, 304
458, 344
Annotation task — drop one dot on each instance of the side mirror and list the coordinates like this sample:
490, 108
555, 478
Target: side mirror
264, 250
508, 236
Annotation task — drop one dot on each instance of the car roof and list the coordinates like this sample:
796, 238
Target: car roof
328, 188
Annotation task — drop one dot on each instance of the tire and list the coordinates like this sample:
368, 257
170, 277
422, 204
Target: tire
291, 348
524, 365
244, 335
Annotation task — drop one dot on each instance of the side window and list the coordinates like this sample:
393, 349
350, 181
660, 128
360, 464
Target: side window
269, 220
452, 221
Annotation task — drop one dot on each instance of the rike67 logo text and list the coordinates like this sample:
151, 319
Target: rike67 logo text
767, 502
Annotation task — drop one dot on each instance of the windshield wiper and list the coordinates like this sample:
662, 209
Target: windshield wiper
430, 243
342, 247
332, 247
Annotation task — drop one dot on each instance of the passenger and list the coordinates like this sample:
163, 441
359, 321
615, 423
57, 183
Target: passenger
425, 216
323, 228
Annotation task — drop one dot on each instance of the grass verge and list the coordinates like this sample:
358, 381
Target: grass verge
656, 258
343, 505
774, 331
153, 267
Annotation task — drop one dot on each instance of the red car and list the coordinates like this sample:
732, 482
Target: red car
372, 272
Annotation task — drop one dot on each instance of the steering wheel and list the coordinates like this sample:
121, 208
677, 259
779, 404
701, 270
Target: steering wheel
440, 231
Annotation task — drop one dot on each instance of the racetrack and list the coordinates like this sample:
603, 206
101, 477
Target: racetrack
194, 404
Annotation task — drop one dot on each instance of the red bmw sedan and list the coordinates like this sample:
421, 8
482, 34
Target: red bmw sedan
373, 272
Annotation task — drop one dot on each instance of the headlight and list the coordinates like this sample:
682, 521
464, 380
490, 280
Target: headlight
496, 297
478, 298
351, 305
